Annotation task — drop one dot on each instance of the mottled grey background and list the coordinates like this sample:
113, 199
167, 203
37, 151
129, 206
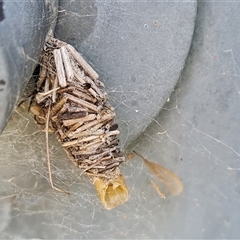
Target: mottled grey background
196, 135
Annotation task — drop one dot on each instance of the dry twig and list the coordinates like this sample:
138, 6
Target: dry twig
48, 155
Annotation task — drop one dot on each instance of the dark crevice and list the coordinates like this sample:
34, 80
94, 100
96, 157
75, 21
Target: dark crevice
1, 11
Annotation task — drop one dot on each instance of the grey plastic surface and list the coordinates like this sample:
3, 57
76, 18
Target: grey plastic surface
196, 135
23, 29
199, 137
138, 48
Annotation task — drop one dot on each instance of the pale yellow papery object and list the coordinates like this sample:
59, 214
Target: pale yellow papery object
113, 192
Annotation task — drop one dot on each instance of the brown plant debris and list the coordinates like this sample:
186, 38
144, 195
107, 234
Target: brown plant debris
170, 180
81, 117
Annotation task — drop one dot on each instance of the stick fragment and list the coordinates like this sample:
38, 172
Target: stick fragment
91, 72
59, 67
67, 64
55, 88
81, 102
80, 120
